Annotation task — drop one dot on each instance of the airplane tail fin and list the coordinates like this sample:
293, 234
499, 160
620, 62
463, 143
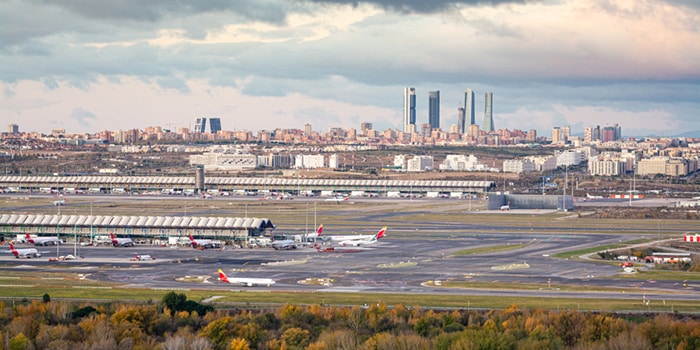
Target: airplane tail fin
13, 250
222, 276
111, 235
320, 230
381, 232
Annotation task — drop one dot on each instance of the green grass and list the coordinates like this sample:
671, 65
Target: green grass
490, 249
62, 286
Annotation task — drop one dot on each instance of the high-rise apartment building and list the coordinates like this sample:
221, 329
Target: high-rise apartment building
200, 125
469, 107
434, 109
488, 113
307, 129
13, 129
214, 125
409, 110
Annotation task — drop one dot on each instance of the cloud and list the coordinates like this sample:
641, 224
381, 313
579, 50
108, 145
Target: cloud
82, 116
421, 6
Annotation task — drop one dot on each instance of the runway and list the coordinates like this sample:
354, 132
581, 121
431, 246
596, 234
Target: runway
401, 265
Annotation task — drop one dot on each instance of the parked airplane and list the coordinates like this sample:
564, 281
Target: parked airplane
338, 199
245, 281
284, 244
42, 240
144, 257
593, 197
206, 196
203, 243
364, 241
121, 242
347, 238
310, 237
24, 252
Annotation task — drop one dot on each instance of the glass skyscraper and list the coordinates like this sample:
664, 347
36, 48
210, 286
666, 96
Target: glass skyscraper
409, 109
488, 113
434, 109
200, 125
214, 125
469, 107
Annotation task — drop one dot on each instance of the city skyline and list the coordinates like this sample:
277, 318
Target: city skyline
87, 66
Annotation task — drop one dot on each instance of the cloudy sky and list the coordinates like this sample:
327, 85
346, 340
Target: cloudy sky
87, 65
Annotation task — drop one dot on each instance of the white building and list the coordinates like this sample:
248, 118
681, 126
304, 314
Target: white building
420, 163
309, 161
518, 166
543, 163
462, 163
225, 161
606, 167
333, 161
568, 158
400, 162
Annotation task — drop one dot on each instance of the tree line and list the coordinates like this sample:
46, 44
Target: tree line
175, 323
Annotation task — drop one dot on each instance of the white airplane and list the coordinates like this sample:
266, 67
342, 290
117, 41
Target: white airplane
308, 237
245, 281
285, 244
121, 242
203, 243
364, 241
593, 197
505, 207
43, 240
61, 201
348, 238
285, 196
24, 252
206, 196
144, 257
338, 199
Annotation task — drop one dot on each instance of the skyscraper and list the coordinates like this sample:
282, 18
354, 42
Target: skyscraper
469, 106
409, 110
200, 125
460, 120
488, 113
434, 109
214, 125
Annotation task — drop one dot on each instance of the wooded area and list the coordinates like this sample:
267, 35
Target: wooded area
178, 323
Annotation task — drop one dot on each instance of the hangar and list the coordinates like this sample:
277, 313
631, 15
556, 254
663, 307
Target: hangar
136, 227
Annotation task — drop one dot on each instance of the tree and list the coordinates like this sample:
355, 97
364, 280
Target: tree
174, 302
20, 342
46, 298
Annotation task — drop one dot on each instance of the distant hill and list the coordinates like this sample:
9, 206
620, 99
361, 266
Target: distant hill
693, 134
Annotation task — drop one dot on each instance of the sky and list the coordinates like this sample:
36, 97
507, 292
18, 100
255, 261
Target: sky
87, 66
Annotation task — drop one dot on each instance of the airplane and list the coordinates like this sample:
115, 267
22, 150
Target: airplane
593, 197
206, 196
144, 257
42, 240
348, 238
61, 201
24, 252
245, 281
364, 241
338, 199
121, 242
285, 244
505, 207
203, 243
285, 196
308, 237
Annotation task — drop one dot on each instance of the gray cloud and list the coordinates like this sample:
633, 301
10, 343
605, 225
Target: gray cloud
421, 6
82, 117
